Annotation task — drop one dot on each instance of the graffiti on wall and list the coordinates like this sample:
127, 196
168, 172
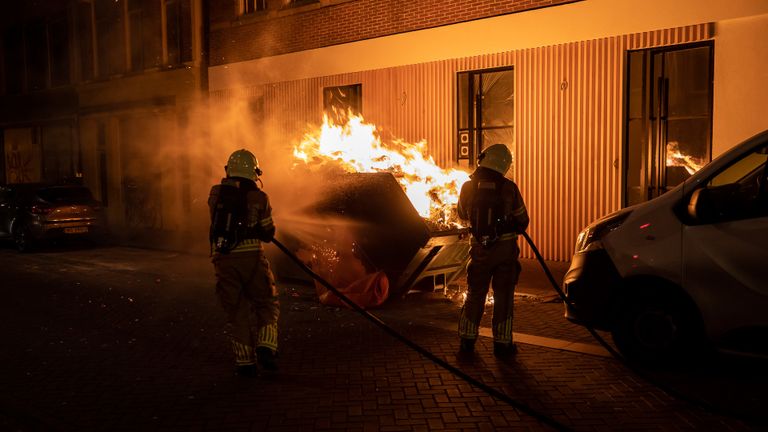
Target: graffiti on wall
22, 156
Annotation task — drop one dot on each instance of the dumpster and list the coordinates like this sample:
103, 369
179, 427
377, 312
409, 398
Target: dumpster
388, 234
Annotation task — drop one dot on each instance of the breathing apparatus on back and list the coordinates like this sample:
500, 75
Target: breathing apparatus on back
487, 218
228, 201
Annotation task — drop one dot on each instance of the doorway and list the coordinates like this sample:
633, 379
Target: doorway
669, 118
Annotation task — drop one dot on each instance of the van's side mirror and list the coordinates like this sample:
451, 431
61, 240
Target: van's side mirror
697, 204
714, 204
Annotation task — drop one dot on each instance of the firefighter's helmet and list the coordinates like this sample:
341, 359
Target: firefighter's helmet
496, 157
244, 164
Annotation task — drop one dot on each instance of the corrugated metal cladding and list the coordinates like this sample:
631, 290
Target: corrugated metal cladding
568, 117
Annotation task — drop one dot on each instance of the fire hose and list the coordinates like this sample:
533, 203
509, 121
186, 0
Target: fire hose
421, 350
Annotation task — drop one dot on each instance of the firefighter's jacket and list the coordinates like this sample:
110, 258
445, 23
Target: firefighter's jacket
515, 214
258, 225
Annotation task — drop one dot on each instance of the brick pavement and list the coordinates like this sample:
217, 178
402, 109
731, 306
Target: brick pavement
124, 339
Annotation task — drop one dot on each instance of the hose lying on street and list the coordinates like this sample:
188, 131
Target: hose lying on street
544, 419
695, 402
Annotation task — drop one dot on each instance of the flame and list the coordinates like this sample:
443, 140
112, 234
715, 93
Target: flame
356, 146
677, 158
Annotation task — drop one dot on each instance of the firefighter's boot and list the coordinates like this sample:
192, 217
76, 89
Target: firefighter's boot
504, 350
267, 359
467, 346
247, 370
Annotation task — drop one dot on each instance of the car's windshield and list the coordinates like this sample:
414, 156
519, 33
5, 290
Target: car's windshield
65, 194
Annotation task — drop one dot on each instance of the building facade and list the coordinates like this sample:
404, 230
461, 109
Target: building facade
100, 92
603, 103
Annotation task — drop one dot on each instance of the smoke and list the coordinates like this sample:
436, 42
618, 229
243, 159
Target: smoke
170, 162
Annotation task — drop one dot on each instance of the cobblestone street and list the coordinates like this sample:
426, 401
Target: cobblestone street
128, 339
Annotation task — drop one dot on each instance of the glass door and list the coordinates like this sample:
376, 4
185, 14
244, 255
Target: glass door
669, 118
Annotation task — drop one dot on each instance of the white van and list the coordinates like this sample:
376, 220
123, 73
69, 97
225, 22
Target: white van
683, 271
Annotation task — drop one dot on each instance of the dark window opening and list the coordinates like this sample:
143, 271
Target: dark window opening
14, 60
110, 37
252, 6
145, 31
178, 21
85, 39
342, 101
58, 39
37, 56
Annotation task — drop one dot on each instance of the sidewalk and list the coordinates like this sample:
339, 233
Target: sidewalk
534, 282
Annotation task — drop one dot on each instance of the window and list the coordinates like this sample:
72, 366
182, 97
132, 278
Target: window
13, 44
251, 6
58, 41
110, 37
744, 170
342, 100
737, 192
84, 17
37, 56
178, 22
145, 32
486, 111
296, 3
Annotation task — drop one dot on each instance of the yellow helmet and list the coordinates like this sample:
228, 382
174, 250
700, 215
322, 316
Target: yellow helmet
496, 157
243, 163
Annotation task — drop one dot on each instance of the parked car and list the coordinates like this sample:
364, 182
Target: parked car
33, 212
684, 271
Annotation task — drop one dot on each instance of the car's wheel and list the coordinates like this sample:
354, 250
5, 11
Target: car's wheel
22, 236
658, 331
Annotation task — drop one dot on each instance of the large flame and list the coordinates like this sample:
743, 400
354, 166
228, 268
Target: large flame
356, 146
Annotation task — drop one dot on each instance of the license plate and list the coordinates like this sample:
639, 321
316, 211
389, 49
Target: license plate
77, 230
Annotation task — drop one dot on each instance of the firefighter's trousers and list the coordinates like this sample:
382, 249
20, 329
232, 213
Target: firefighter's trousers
495, 266
246, 290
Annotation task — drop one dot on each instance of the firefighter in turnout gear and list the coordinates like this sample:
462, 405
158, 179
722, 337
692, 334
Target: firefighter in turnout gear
241, 220
496, 213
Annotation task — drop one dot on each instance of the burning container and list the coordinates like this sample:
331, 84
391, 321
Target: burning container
390, 235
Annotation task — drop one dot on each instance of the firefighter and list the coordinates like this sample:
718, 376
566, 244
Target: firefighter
496, 213
241, 220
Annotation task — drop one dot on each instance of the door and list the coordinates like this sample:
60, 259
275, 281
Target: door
725, 249
486, 112
6, 194
669, 118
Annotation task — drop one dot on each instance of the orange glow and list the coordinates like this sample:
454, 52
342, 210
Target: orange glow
677, 158
357, 147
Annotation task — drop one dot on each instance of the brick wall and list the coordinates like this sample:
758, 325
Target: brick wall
234, 40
